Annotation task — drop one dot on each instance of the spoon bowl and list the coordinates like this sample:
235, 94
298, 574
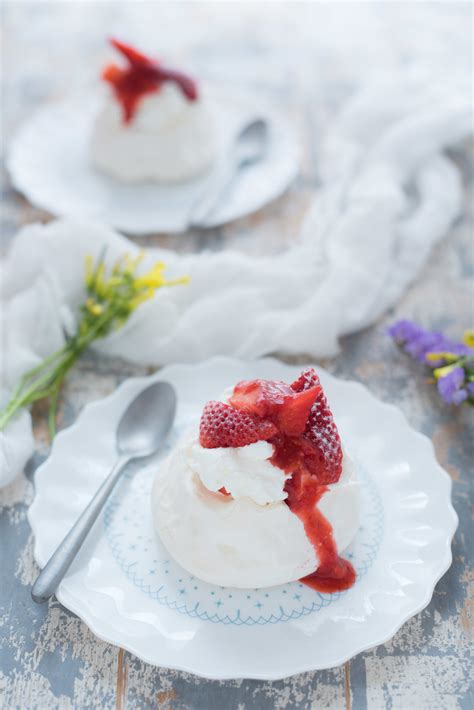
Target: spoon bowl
252, 142
147, 421
249, 147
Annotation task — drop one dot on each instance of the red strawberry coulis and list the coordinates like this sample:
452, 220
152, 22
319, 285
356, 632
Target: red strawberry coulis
142, 76
297, 421
334, 574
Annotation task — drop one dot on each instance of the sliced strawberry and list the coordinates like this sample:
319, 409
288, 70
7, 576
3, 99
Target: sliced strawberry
276, 401
308, 378
130, 53
322, 448
293, 415
222, 425
249, 397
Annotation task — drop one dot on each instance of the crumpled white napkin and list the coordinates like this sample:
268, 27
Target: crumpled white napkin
388, 195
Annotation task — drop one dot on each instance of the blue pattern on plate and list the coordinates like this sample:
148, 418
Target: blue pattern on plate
144, 560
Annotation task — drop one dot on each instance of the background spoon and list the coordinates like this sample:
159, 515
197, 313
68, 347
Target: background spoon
143, 428
249, 147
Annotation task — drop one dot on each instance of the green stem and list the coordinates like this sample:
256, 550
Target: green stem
34, 390
28, 375
45, 384
48, 360
54, 395
40, 388
53, 408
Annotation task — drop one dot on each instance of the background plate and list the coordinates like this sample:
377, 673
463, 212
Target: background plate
129, 592
49, 163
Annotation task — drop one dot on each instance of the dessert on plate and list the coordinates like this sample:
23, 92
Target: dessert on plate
156, 123
263, 493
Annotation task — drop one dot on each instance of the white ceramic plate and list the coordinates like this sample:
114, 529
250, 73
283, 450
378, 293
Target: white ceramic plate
130, 593
49, 163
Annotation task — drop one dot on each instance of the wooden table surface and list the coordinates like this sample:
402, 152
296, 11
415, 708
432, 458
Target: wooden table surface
48, 657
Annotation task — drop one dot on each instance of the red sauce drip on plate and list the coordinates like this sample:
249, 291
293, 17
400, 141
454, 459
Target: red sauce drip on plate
142, 76
334, 574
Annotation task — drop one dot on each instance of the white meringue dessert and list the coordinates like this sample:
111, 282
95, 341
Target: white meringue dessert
151, 128
223, 511
237, 541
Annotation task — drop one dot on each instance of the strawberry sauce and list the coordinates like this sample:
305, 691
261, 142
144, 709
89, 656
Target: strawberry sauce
333, 574
142, 76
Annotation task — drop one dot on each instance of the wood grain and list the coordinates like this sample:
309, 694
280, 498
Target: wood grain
122, 676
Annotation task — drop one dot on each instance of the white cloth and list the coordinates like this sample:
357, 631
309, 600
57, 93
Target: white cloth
388, 195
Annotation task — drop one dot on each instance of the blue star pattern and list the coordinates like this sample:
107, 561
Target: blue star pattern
142, 558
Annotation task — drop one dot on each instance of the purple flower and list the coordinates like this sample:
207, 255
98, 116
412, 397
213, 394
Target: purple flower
425, 343
452, 362
449, 386
418, 342
404, 330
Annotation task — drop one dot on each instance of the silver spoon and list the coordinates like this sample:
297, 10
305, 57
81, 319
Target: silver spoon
142, 429
249, 147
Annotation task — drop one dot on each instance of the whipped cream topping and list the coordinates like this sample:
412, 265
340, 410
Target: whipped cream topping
244, 471
169, 139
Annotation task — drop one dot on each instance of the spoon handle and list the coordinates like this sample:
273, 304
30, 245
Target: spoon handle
52, 573
216, 189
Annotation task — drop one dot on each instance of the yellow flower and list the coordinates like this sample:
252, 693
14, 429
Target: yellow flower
442, 371
131, 264
122, 286
113, 281
153, 278
89, 270
468, 338
179, 280
98, 284
119, 264
448, 357
95, 308
145, 296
